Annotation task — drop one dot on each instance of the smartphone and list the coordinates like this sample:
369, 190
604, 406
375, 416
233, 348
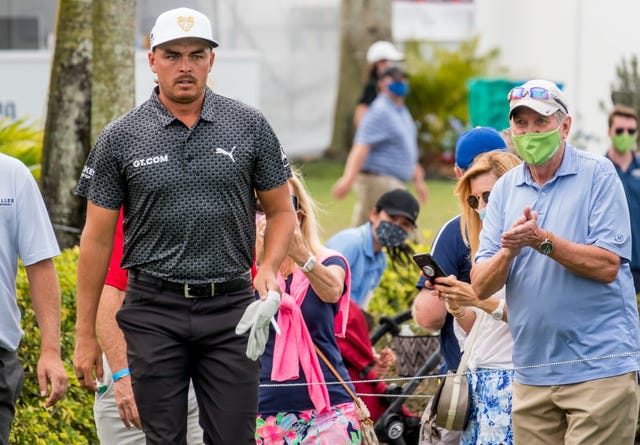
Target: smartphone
428, 265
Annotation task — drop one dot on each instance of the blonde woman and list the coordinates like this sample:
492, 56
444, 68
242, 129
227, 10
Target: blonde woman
490, 359
313, 310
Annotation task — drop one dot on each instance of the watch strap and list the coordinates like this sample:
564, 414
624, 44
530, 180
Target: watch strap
499, 309
311, 262
546, 246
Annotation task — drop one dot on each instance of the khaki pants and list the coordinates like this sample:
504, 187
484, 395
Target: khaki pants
111, 430
368, 188
602, 411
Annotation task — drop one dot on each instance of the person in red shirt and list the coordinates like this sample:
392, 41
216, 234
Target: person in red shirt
115, 410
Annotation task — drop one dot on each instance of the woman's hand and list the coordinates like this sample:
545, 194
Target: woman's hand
455, 292
298, 249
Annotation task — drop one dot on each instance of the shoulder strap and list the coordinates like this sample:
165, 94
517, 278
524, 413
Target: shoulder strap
333, 370
462, 367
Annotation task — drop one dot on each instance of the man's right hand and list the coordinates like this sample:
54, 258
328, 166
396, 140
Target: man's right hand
87, 356
341, 188
127, 408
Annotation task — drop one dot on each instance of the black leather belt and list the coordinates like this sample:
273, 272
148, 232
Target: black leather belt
369, 172
197, 290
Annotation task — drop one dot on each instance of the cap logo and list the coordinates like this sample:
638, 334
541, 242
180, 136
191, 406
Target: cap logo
185, 23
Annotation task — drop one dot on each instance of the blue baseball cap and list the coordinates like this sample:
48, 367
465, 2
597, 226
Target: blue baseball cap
473, 142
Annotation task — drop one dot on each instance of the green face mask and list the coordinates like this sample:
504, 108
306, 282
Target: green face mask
537, 148
623, 142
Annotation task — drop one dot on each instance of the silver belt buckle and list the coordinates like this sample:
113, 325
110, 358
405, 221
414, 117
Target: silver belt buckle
188, 295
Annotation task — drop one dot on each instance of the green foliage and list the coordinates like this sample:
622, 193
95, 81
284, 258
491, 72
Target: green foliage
438, 91
70, 421
626, 89
22, 141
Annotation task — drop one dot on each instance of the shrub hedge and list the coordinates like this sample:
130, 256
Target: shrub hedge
70, 421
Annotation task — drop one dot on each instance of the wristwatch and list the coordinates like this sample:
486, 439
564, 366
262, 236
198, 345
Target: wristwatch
546, 247
499, 311
306, 267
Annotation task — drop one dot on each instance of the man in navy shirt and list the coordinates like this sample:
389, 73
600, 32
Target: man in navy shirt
623, 131
453, 256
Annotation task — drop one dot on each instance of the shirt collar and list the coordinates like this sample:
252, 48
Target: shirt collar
635, 162
165, 117
208, 108
390, 103
367, 238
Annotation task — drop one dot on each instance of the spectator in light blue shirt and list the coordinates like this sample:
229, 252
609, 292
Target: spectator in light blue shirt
557, 234
384, 155
390, 222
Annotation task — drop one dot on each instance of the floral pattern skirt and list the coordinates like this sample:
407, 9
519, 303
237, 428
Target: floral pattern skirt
338, 425
490, 418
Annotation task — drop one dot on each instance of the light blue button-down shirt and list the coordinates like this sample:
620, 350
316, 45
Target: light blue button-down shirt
367, 266
554, 314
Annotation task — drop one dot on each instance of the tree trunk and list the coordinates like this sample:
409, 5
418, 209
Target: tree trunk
83, 98
362, 23
112, 93
66, 136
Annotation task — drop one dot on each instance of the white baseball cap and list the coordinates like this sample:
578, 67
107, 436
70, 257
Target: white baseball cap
181, 23
541, 96
382, 50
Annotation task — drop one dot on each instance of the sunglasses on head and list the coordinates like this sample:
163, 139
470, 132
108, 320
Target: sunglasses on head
539, 93
474, 200
294, 201
630, 131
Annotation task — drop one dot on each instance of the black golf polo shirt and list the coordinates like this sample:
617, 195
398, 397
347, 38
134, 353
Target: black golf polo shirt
188, 193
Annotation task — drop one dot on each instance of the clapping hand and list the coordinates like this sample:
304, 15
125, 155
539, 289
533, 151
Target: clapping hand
524, 232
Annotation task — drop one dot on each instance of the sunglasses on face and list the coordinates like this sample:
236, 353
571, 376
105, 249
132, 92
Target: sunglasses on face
474, 200
294, 201
538, 93
630, 131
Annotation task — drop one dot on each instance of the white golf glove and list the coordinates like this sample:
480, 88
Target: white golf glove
257, 317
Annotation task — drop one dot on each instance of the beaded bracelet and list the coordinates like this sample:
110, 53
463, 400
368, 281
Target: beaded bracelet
119, 374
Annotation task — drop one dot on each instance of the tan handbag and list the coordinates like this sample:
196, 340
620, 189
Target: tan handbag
367, 431
452, 403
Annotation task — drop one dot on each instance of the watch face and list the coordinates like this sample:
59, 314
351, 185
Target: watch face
545, 247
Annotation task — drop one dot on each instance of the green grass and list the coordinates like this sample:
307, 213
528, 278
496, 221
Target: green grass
336, 215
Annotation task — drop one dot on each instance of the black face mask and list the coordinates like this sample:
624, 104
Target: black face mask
390, 235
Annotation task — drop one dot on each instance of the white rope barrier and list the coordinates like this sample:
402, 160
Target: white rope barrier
437, 376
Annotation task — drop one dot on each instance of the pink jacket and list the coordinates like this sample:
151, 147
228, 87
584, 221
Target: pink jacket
294, 346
